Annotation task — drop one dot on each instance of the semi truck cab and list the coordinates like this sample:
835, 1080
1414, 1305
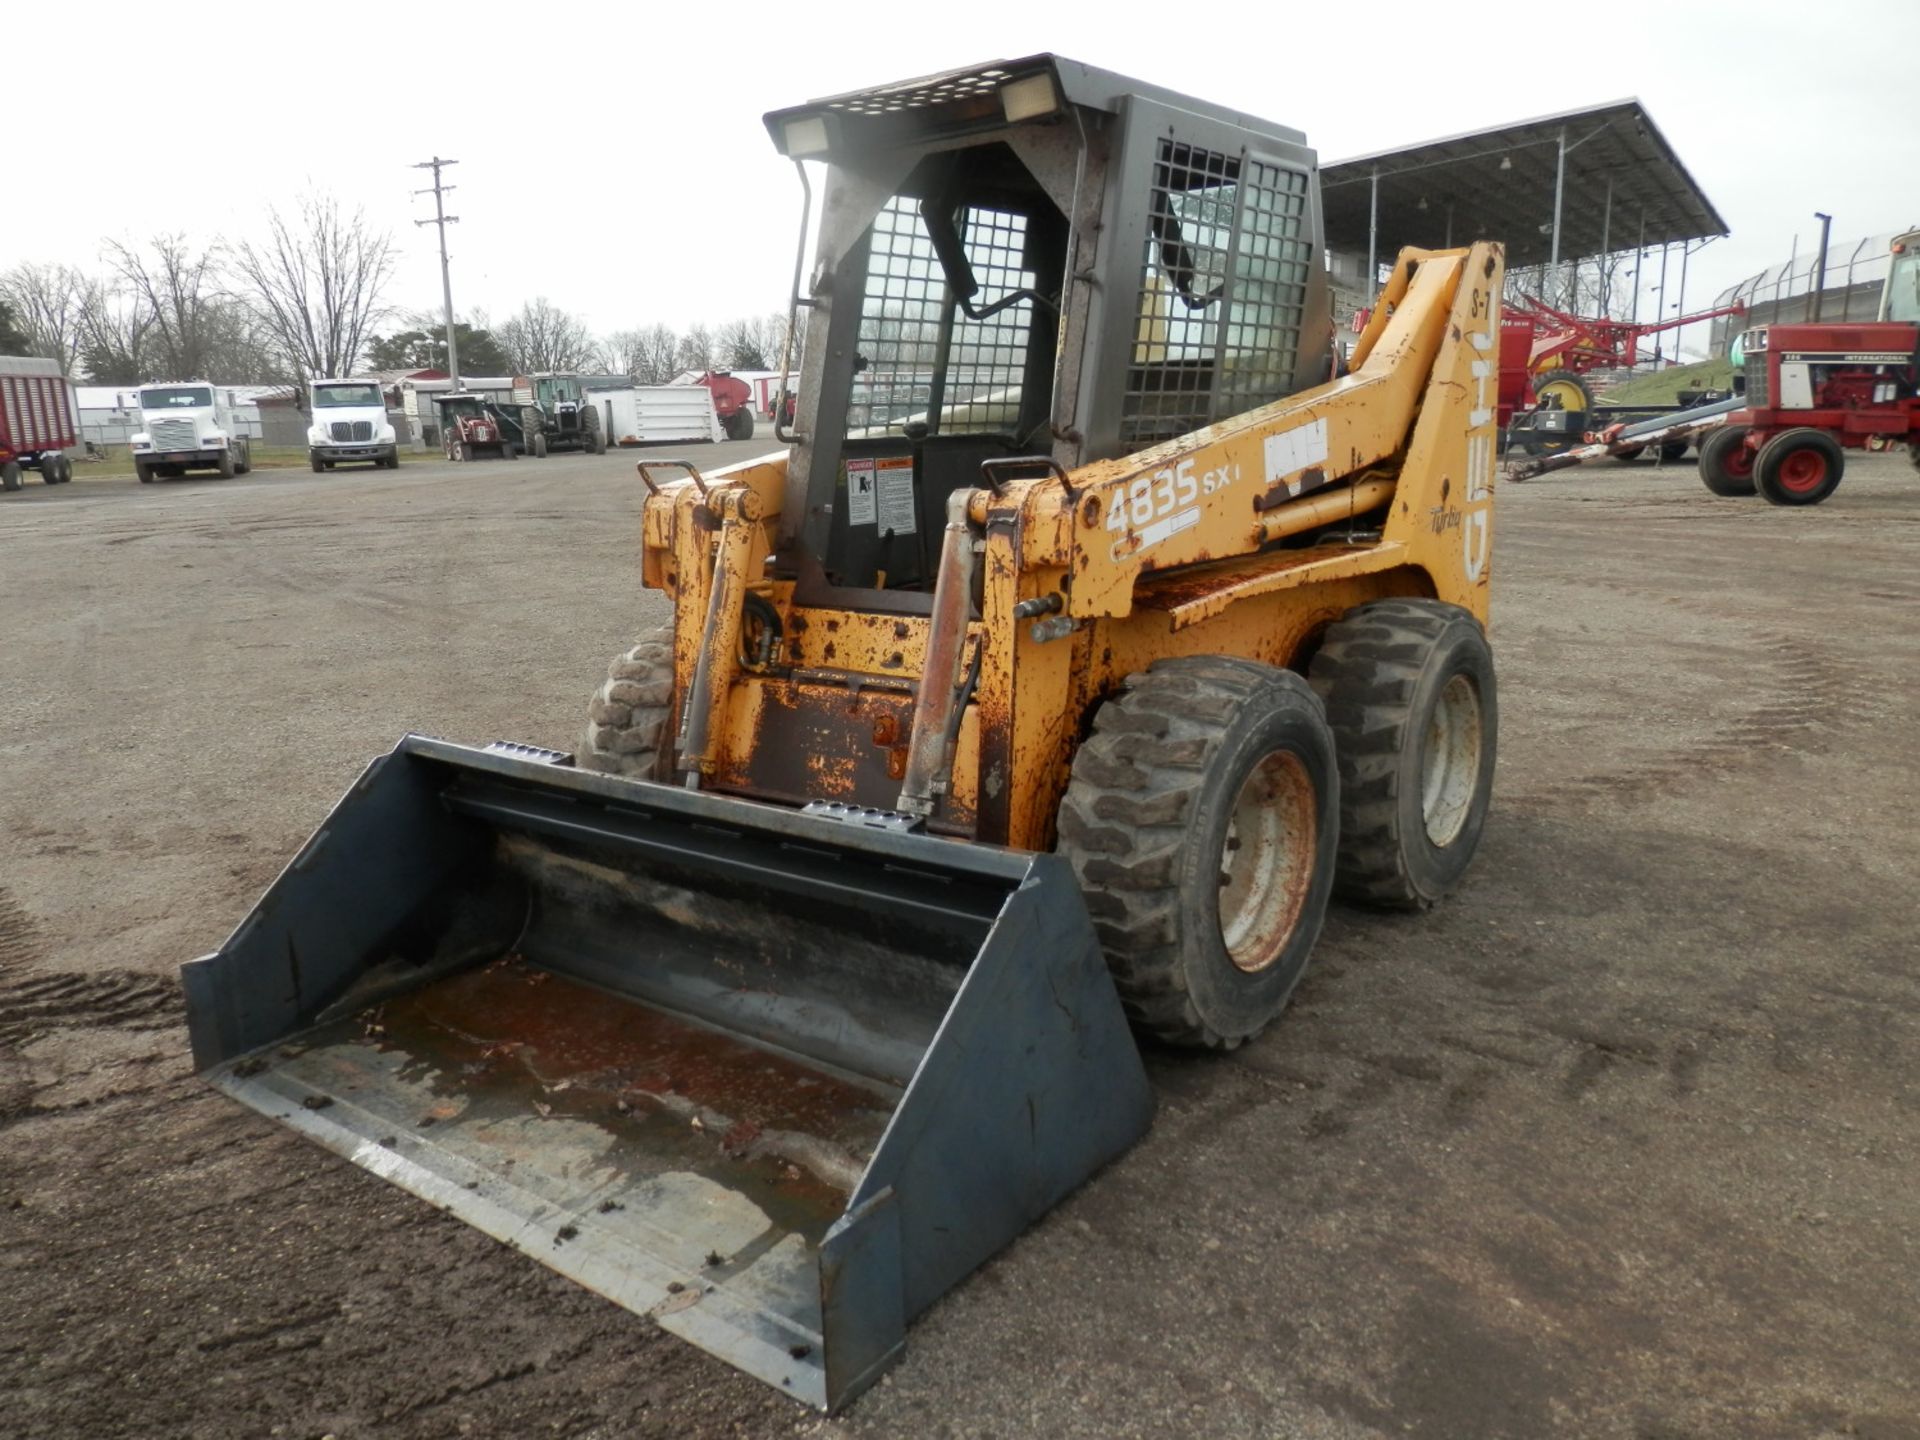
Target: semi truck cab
188, 425
349, 422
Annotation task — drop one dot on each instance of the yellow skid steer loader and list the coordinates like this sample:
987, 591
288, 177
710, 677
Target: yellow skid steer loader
1093, 626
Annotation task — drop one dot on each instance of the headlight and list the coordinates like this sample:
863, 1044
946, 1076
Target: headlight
316, 436
386, 435
214, 439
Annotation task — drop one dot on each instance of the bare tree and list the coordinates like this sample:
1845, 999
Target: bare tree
544, 337
659, 356
697, 350
114, 329
648, 356
179, 287
754, 343
243, 348
625, 353
316, 284
47, 302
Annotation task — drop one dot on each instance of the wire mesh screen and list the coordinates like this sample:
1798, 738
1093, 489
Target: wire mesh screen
899, 323
1223, 289
975, 383
988, 359
1177, 328
1267, 298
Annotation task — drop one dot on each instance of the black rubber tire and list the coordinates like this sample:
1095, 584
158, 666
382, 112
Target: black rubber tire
539, 447
143, 473
1726, 466
1630, 456
244, 465
1801, 466
1382, 670
1673, 451
1146, 822
314, 463
740, 427
628, 720
224, 467
10, 476
1913, 454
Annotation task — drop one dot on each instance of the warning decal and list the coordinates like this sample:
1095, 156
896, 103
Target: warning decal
860, 500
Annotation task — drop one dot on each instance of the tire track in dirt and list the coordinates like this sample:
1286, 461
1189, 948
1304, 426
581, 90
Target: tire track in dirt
1813, 696
31, 1005
19, 942
34, 1001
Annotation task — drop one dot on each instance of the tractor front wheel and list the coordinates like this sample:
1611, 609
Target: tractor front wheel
1410, 694
1799, 467
10, 475
627, 718
1726, 464
1202, 818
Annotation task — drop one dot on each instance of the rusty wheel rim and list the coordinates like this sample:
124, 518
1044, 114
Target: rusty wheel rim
1450, 768
1266, 861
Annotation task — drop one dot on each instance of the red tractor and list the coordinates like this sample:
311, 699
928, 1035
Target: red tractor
1814, 391
732, 402
471, 427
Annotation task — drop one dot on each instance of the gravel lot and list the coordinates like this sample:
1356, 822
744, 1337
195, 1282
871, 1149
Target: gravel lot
1619, 1142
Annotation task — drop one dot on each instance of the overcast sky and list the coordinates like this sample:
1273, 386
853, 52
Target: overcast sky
633, 182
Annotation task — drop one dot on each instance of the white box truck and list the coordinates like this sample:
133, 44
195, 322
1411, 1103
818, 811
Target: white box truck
349, 423
188, 425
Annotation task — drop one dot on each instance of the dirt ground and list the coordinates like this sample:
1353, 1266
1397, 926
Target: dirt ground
1619, 1142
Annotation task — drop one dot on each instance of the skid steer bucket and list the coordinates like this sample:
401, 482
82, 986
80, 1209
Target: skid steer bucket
779, 1081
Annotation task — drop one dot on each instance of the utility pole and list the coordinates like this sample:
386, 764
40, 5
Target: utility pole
442, 219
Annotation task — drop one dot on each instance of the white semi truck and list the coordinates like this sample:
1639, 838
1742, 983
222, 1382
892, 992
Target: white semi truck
188, 425
350, 423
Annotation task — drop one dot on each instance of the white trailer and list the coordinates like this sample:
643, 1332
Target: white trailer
647, 414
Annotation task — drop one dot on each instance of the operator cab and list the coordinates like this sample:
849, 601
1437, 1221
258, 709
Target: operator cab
1901, 299
948, 329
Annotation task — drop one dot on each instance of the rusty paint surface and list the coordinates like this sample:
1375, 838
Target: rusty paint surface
830, 742
1409, 423
508, 1040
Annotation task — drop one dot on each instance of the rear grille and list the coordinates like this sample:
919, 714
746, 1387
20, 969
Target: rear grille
1756, 369
353, 430
172, 435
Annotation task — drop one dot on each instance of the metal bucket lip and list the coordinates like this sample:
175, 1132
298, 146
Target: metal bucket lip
580, 1244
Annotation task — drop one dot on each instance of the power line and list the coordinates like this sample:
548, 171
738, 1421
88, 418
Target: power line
442, 219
